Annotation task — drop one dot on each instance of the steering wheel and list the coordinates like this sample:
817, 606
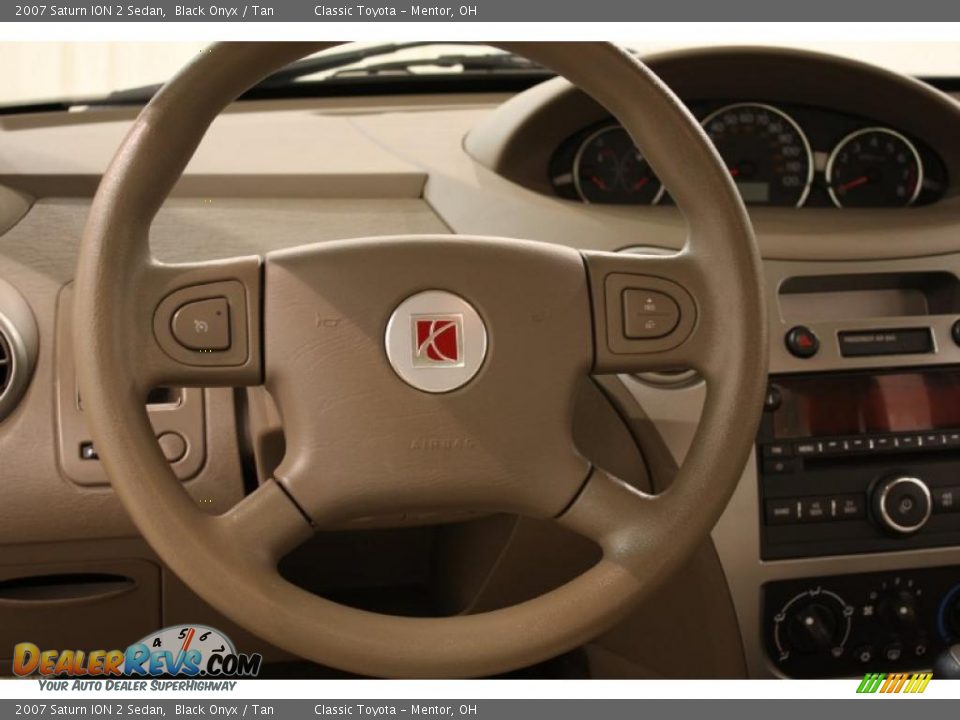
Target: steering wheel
420, 377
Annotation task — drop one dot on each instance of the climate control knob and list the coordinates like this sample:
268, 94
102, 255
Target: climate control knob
813, 623
814, 628
902, 504
900, 611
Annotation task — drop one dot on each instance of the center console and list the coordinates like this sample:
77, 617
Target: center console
841, 543
852, 564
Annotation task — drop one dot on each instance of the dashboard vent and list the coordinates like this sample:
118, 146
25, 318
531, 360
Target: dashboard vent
6, 365
19, 340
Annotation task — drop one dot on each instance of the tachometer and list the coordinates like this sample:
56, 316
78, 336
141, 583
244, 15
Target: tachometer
608, 168
874, 167
767, 153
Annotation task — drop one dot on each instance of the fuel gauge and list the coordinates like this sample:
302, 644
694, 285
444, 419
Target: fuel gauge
608, 168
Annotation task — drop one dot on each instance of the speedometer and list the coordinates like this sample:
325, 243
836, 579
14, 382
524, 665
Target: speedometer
765, 150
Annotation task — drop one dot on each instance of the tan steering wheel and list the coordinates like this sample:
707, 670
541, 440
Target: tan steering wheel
354, 429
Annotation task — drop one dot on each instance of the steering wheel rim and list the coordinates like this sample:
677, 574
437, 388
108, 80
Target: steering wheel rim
230, 560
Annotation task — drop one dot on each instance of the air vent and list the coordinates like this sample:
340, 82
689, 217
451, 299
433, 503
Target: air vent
6, 364
18, 347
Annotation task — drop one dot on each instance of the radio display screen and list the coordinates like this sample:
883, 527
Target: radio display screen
856, 404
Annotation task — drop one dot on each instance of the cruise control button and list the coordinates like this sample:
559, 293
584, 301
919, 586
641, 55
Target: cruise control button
203, 325
648, 314
802, 342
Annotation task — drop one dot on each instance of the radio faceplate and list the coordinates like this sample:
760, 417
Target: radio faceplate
860, 462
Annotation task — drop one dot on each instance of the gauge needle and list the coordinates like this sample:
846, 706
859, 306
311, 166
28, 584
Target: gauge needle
185, 646
734, 172
854, 183
640, 183
598, 182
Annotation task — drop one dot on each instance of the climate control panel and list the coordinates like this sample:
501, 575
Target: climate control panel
853, 624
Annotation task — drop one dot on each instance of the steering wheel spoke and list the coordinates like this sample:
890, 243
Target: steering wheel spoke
203, 323
266, 524
614, 515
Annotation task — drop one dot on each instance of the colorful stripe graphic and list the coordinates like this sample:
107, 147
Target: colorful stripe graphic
895, 683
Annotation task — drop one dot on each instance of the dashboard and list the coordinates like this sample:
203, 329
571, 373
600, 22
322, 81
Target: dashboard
778, 154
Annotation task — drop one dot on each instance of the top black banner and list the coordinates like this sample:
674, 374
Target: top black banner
481, 11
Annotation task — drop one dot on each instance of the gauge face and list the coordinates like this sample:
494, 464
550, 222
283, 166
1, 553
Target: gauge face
766, 152
874, 167
608, 168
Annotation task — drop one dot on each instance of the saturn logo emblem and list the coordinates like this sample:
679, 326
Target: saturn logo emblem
436, 341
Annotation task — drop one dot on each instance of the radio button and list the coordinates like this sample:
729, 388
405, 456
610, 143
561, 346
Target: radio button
859, 444
782, 512
884, 443
777, 450
773, 399
902, 504
779, 466
908, 442
932, 440
814, 509
807, 448
946, 499
834, 446
849, 507
951, 438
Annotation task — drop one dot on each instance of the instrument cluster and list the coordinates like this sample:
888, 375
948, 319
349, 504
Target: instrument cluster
777, 155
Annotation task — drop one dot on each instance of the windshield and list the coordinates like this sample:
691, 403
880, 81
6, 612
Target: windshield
43, 71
